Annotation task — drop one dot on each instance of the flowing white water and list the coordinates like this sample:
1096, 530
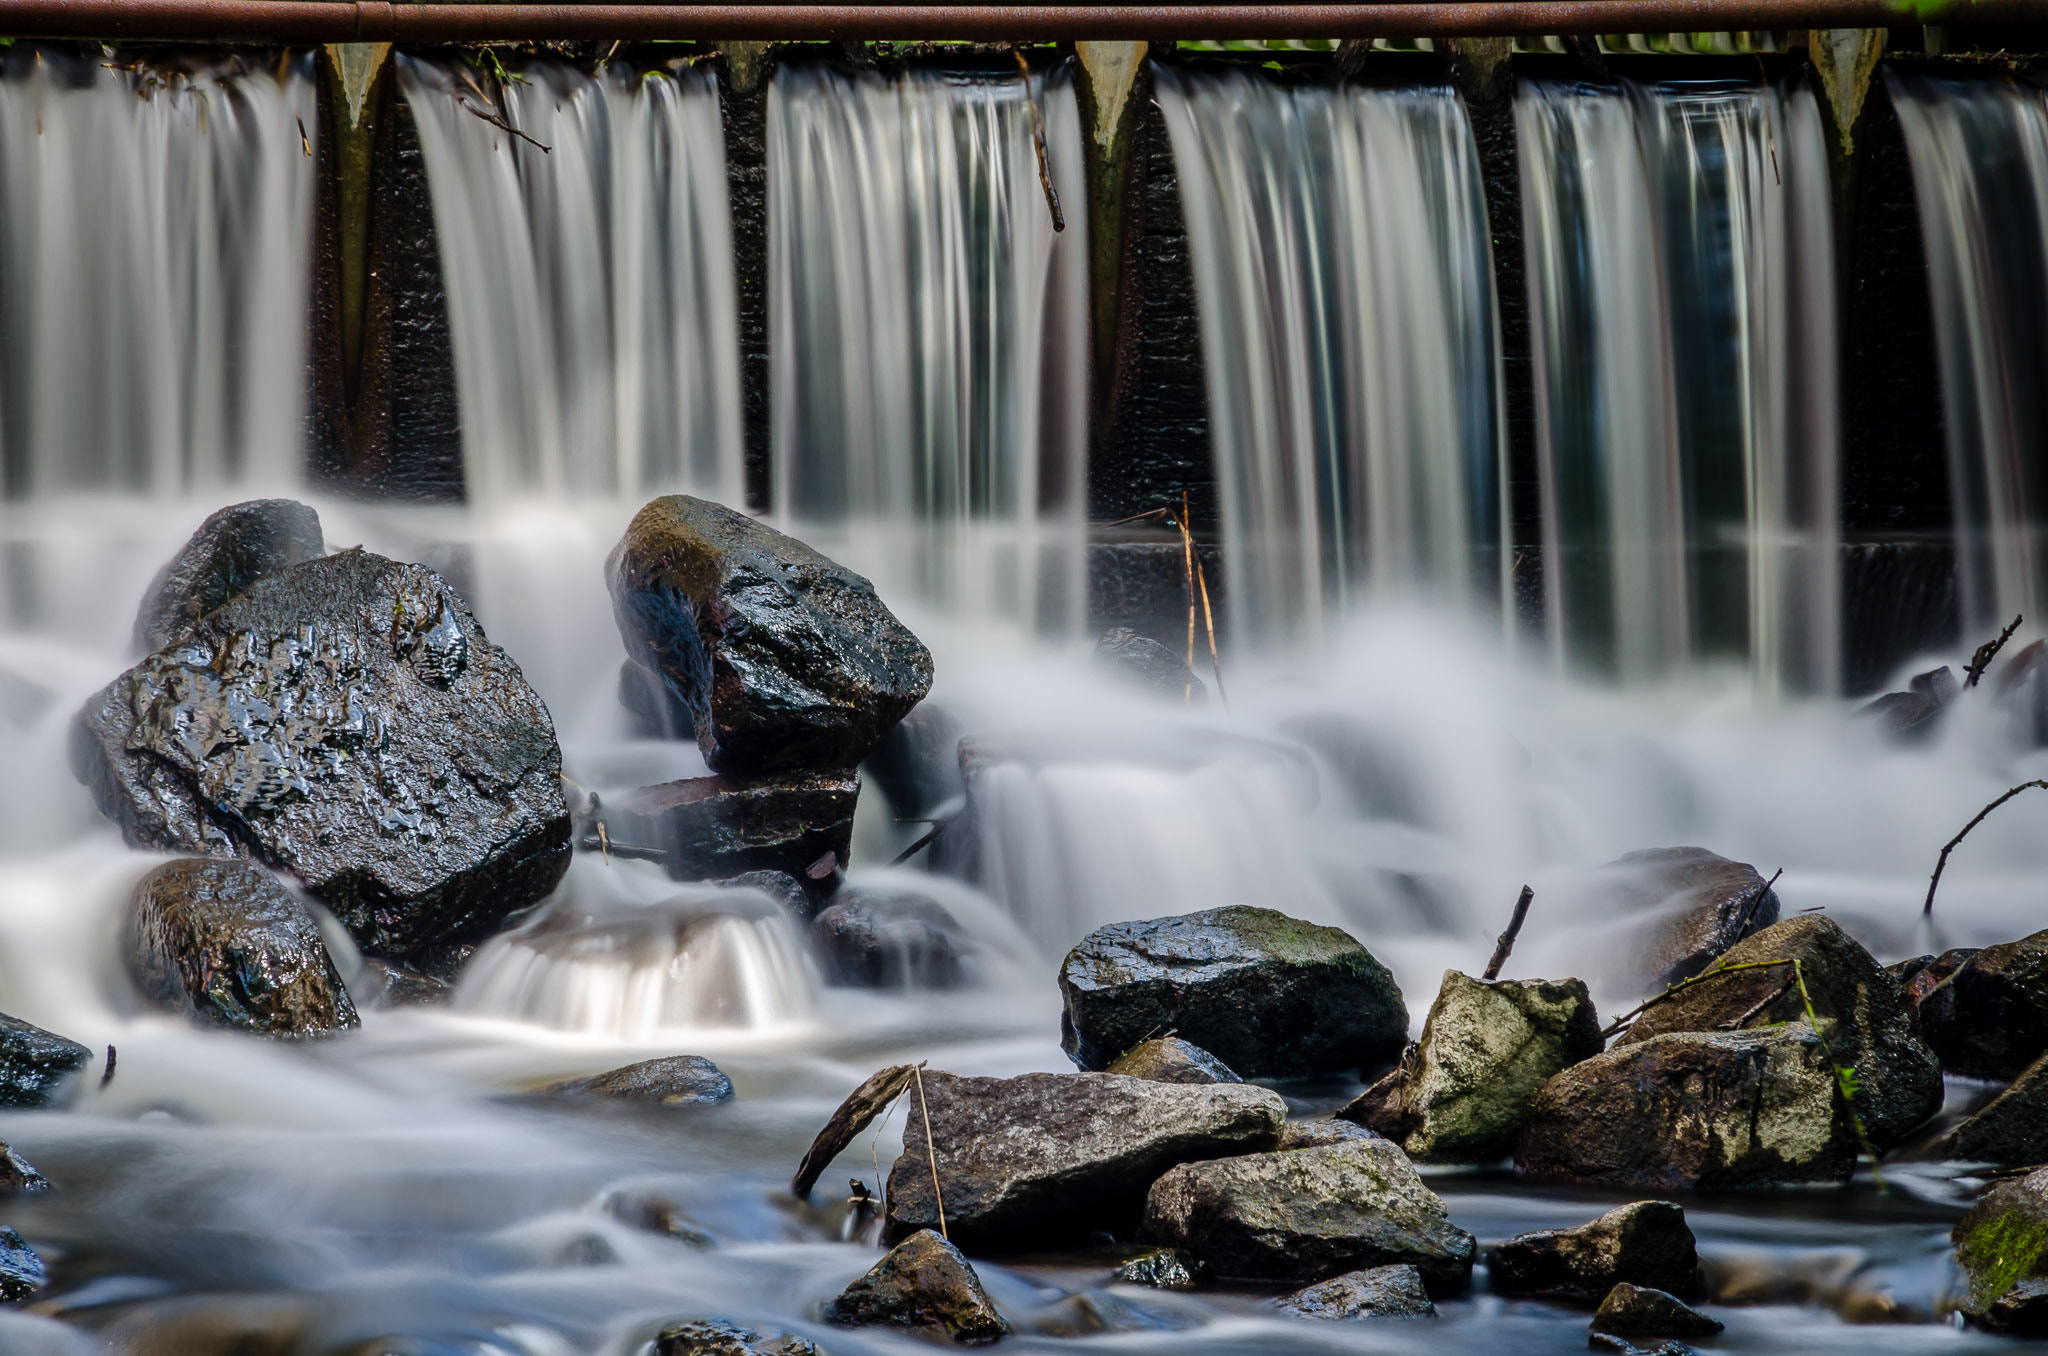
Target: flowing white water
1682, 322
928, 334
1980, 169
1345, 281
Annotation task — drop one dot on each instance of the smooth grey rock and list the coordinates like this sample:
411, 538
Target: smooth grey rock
890, 939
777, 657
2002, 1248
1638, 1311
716, 1337
34, 1063
674, 1080
923, 1284
2011, 1130
1705, 1110
1305, 1215
1381, 1292
713, 828
1696, 904
347, 722
1132, 656
1269, 995
1162, 1269
233, 548
1990, 1018
1046, 1158
1169, 1059
1645, 1243
21, 1272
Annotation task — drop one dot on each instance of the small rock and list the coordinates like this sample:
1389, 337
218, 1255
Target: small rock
657, 1214
718, 827
17, 1175
1045, 1158
1314, 1134
224, 943
232, 549
1705, 1110
1702, 903
1381, 1292
716, 1337
1162, 1269
1485, 1049
1864, 1016
1309, 1214
779, 886
1920, 976
2002, 1248
1270, 996
1638, 1311
1621, 1346
1991, 1019
777, 657
675, 1080
890, 939
1137, 658
923, 1284
1647, 1243
2011, 1130
21, 1271
1915, 714
386, 984
1169, 1059
34, 1063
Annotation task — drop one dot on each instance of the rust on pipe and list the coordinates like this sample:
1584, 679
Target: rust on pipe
377, 21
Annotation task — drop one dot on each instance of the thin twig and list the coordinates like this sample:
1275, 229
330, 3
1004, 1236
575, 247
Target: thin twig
1052, 198
305, 142
1188, 549
108, 1076
1927, 910
498, 122
874, 1153
1755, 902
1506, 942
1736, 1024
1208, 615
1980, 663
938, 827
931, 1150
604, 842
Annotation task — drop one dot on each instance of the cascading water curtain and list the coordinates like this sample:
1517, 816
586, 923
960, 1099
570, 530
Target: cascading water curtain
928, 334
1980, 169
1682, 321
1345, 280
590, 292
155, 222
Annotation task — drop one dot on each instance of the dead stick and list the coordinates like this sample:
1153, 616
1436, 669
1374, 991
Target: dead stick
1052, 197
931, 1150
1208, 616
1927, 910
1187, 696
1756, 901
1980, 662
108, 1076
1506, 942
503, 126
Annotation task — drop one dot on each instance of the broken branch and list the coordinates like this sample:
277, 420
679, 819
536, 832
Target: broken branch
1052, 197
1980, 662
498, 122
1506, 942
1927, 909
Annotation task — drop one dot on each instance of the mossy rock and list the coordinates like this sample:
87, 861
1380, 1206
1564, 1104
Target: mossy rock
2002, 1246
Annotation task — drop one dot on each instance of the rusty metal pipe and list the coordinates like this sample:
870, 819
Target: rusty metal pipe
380, 21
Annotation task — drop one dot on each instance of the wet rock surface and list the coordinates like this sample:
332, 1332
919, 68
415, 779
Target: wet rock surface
716, 1337
1136, 658
34, 1063
1162, 1269
890, 939
778, 657
1707, 1110
21, 1272
674, 1080
1270, 996
779, 886
1169, 1059
1865, 1018
1915, 714
2002, 1248
1381, 1292
923, 1284
719, 827
383, 984
1306, 1215
1989, 1018
232, 549
1485, 1048
1646, 1243
17, 1175
1045, 1158
226, 944
345, 721
1311, 1134
1641, 1311
2012, 1129
1703, 904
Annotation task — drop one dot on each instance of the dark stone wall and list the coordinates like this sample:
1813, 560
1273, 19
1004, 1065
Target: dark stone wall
746, 166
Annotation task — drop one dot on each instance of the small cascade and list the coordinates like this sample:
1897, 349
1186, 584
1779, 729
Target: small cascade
1345, 281
590, 289
1980, 170
928, 334
1682, 322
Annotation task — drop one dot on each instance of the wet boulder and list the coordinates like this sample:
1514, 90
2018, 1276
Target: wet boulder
1134, 657
715, 1337
1916, 713
347, 722
227, 945
1169, 1059
1485, 1049
924, 1284
232, 549
1864, 1016
1693, 1110
386, 984
712, 828
1047, 1158
1269, 995
674, 1080
1690, 906
1641, 1311
1381, 1292
34, 1063
18, 1176
1305, 1215
2002, 1248
1162, 1269
22, 1273
1990, 1018
890, 939
2011, 1130
1647, 1243
777, 657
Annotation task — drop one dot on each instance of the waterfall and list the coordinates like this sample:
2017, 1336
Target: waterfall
1345, 281
590, 292
153, 272
1980, 170
1682, 320
928, 334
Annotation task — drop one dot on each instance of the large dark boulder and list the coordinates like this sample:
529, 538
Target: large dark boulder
1644, 1243
673, 1080
347, 722
776, 656
232, 549
1681, 907
924, 1284
1707, 1110
2011, 1130
34, 1063
890, 939
226, 944
1046, 1158
1864, 1016
22, 1273
1990, 1018
2002, 1248
1381, 1292
1269, 995
1305, 1215
713, 828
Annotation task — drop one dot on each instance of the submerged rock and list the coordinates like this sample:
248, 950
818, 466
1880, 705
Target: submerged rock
1269, 995
17, 1175
2002, 1248
224, 943
923, 1284
890, 939
1647, 1243
385, 984
674, 1080
1706, 1110
716, 1337
1990, 1018
1916, 713
345, 721
1305, 1215
232, 549
34, 1063
1133, 656
1485, 1049
21, 1272
799, 824
1382, 1292
1162, 1269
1864, 1016
1045, 1158
1639, 1311
1702, 903
779, 886
1169, 1059
2012, 1129
776, 656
